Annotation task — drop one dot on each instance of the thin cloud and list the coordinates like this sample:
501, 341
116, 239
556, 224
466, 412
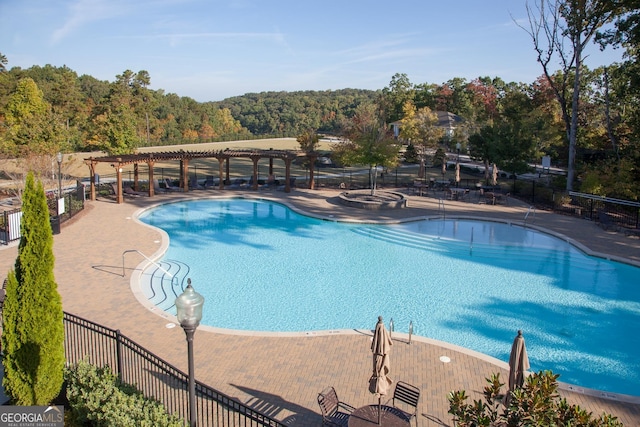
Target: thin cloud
84, 12
395, 48
176, 39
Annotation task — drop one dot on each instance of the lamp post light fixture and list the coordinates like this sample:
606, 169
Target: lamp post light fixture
189, 313
59, 158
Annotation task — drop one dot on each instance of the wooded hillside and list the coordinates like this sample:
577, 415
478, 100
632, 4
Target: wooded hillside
81, 113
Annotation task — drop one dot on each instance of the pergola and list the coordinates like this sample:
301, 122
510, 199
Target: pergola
185, 157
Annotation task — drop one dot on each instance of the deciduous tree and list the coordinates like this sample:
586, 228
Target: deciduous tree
31, 126
561, 30
367, 141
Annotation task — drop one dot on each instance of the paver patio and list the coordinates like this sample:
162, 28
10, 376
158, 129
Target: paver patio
281, 375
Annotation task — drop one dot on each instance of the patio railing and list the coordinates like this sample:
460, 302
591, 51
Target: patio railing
10, 219
154, 377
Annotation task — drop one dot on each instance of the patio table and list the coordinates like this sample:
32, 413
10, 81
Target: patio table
367, 416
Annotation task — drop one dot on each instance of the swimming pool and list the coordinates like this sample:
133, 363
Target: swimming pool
263, 267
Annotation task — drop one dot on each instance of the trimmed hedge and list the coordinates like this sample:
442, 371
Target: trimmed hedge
98, 398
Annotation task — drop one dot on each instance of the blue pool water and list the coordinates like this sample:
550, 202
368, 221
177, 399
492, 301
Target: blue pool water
262, 267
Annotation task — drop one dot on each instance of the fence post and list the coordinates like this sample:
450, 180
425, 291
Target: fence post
119, 353
5, 222
533, 192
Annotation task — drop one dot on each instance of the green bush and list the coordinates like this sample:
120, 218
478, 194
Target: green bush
96, 396
537, 403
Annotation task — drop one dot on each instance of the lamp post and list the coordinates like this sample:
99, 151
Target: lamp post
189, 313
59, 158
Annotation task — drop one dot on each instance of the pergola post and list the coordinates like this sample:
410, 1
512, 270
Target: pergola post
92, 179
135, 176
287, 175
255, 160
119, 195
152, 184
184, 176
221, 172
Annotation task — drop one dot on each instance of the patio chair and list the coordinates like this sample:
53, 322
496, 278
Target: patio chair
605, 220
169, 185
334, 412
131, 192
405, 399
490, 197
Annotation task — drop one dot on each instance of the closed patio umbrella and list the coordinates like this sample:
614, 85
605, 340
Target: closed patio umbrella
457, 173
494, 175
380, 383
518, 365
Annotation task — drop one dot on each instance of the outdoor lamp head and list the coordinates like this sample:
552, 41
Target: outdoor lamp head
59, 157
189, 307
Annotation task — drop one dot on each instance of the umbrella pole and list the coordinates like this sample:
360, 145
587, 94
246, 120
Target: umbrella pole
379, 409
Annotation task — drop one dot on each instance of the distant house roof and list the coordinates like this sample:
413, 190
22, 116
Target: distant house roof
448, 120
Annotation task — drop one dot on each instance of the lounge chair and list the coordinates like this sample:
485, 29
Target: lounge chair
126, 191
131, 192
238, 183
193, 183
334, 412
272, 181
208, 182
170, 186
157, 188
405, 399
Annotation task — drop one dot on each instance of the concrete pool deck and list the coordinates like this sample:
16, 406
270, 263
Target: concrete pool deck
281, 375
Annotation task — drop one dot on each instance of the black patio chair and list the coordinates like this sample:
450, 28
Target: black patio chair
605, 220
405, 399
334, 412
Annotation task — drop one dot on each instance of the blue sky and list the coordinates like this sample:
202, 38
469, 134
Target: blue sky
213, 49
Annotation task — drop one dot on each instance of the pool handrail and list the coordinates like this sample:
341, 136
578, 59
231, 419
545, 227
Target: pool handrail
145, 257
531, 209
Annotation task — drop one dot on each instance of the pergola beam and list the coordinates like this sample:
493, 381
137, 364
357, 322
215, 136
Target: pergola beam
223, 156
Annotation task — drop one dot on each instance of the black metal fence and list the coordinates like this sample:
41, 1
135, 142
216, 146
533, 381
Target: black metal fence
155, 378
73, 204
621, 215
10, 225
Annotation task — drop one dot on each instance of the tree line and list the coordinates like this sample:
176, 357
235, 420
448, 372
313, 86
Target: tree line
586, 120
46, 109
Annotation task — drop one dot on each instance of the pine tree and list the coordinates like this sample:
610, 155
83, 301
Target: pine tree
33, 332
